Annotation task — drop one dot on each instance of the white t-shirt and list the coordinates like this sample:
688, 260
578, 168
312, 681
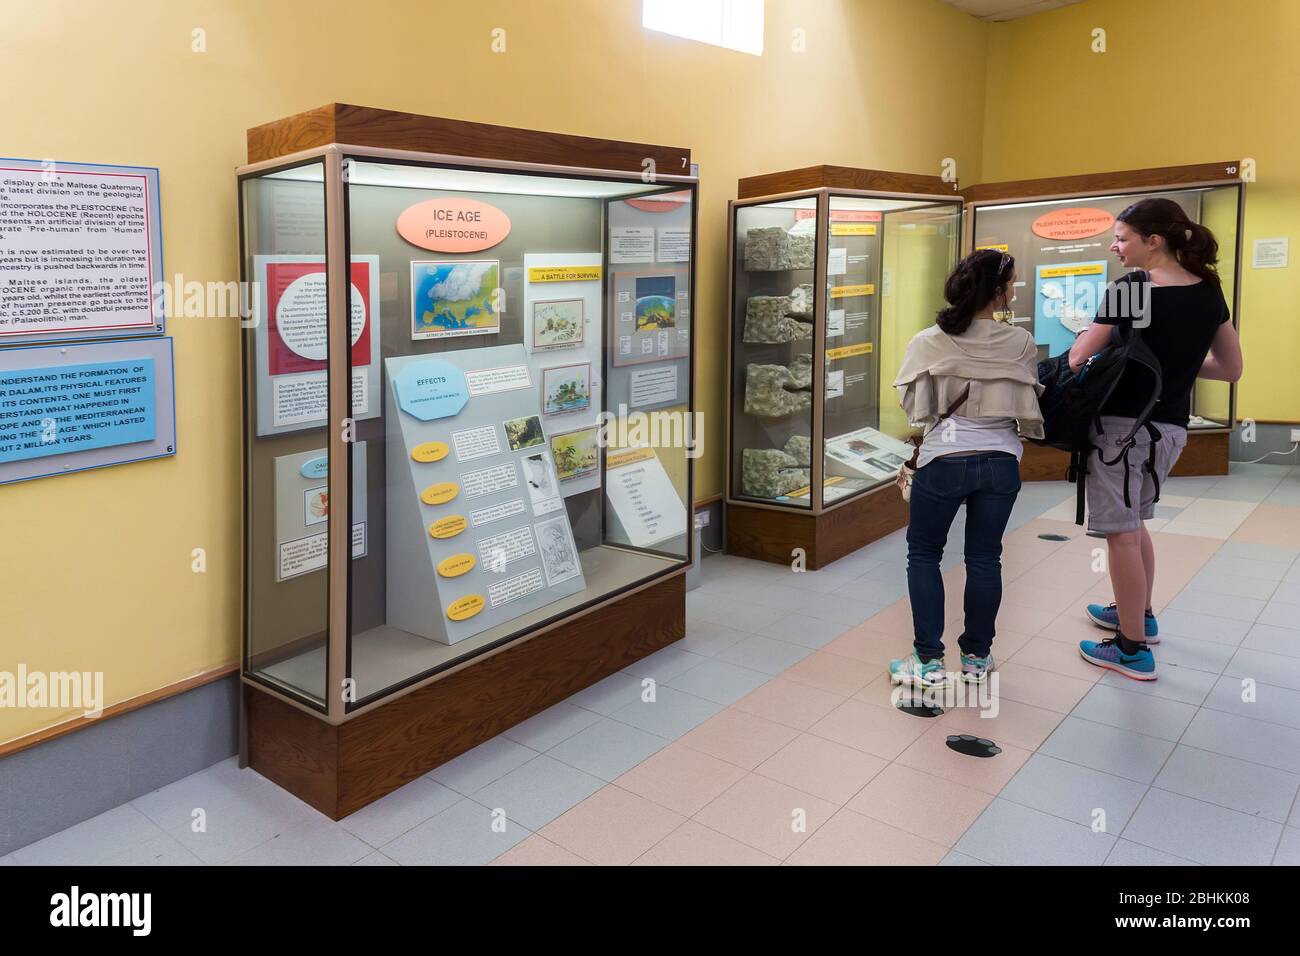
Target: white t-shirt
957, 434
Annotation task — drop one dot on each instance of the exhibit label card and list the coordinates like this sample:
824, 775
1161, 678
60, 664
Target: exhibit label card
431, 389
653, 386
80, 251
674, 245
489, 380
642, 494
476, 443
632, 244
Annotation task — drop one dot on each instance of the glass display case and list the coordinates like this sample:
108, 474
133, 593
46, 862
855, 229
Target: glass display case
828, 286
467, 409
1060, 231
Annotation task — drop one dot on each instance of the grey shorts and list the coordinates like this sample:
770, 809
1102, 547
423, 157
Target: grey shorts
1107, 512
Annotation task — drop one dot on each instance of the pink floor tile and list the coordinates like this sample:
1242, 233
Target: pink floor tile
1040, 688
681, 779
767, 815
739, 738
1038, 598
931, 807
693, 844
1020, 725
832, 672
826, 769
882, 732
930, 754
612, 827
850, 839
789, 702
538, 851
1057, 657
869, 646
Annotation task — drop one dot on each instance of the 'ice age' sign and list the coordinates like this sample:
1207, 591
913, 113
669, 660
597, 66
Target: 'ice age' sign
48, 411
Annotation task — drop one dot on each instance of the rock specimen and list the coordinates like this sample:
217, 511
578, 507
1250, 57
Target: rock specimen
801, 301
770, 473
801, 370
769, 248
766, 320
772, 390
799, 447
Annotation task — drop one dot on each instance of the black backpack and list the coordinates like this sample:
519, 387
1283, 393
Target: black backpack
1071, 401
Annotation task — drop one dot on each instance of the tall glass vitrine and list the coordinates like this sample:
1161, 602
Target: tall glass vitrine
828, 285
1060, 237
467, 410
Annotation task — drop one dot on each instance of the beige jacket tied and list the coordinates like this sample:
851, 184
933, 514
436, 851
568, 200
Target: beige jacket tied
998, 361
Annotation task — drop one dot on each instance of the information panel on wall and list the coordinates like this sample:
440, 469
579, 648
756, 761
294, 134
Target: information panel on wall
73, 407
80, 251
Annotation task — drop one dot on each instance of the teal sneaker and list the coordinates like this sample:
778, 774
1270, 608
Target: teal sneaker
926, 674
1107, 654
1108, 617
975, 670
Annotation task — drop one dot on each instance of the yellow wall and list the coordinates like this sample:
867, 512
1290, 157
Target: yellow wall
95, 569
1181, 81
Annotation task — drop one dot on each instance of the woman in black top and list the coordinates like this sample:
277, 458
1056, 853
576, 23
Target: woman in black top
1191, 334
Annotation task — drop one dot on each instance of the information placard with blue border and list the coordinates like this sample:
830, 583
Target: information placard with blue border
80, 251
67, 408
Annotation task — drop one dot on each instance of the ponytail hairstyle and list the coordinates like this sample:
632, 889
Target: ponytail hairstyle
971, 286
1189, 242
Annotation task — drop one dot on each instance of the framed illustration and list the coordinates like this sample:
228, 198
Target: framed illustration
557, 323
650, 315
656, 303
524, 432
566, 389
455, 298
576, 453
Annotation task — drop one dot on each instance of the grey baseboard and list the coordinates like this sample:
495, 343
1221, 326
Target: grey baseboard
1274, 439
68, 779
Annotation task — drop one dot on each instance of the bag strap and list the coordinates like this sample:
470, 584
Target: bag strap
916, 440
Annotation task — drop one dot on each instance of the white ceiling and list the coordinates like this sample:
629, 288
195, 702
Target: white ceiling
998, 10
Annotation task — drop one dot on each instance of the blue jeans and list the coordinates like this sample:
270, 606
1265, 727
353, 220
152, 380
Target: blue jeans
988, 483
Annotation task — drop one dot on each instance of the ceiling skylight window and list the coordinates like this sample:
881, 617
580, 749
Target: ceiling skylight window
734, 24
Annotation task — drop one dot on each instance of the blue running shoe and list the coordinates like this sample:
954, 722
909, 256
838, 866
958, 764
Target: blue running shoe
1107, 654
1108, 617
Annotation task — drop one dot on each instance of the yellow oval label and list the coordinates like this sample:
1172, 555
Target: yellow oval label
448, 527
456, 565
463, 608
430, 451
440, 493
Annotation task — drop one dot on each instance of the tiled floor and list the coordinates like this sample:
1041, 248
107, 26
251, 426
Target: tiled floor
767, 735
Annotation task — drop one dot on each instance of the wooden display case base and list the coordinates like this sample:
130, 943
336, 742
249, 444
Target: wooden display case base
1206, 454
338, 769
768, 534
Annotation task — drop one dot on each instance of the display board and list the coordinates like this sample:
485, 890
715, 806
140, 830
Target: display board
79, 406
1062, 258
80, 251
476, 524
289, 325
562, 335
302, 511
649, 304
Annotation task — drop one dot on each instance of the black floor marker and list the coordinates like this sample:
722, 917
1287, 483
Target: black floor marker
1055, 537
973, 746
917, 707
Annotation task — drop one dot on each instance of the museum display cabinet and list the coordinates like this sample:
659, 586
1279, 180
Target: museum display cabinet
833, 270
1060, 230
467, 384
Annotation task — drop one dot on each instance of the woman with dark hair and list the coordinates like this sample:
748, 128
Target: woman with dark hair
1185, 322
972, 363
